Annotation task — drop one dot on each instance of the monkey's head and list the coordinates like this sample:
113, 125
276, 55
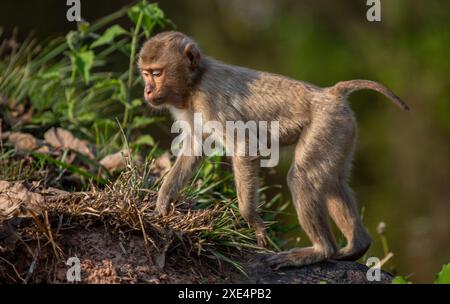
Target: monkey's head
170, 63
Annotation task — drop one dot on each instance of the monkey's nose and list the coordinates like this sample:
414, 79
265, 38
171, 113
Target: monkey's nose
149, 89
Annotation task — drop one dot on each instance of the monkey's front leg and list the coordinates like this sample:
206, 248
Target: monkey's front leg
178, 176
246, 179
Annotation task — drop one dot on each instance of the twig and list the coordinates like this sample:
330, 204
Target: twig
14, 268
384, 260
32, 266
147, 250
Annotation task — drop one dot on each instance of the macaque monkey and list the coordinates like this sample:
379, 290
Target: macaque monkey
318, 121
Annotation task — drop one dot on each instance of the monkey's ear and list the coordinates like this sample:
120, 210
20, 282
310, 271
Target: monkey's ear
192, 53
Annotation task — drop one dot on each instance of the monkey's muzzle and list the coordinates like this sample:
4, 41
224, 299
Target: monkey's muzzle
155, 102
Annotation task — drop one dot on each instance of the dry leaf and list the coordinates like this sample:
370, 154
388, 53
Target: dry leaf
62, 139
23, 141
44, 150
59, 142
116, 161
15, 199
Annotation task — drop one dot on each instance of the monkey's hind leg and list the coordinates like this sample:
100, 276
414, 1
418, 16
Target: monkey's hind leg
343, 210
315, 163
342, 204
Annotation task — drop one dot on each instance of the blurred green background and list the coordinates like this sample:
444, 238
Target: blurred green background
402, 166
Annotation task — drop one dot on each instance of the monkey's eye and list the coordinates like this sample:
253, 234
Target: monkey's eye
156, 73
145, 74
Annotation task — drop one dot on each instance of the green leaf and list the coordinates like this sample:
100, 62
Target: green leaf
46, 118
105, 123
118, 87
82, 62
121, 93
443, 277
145, 140
50, 75
400, 280
109, 83
143, 121
136, 103
87, 117
109, 35
152, 16
73, 39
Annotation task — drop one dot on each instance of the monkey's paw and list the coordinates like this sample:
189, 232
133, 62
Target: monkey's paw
162, 208
261, 238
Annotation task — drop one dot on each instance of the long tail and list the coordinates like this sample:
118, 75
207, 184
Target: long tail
344, 88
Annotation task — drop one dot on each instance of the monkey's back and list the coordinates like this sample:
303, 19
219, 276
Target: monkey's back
237, 93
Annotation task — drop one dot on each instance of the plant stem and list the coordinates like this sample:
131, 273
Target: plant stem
384, 243
131, 65
69, 95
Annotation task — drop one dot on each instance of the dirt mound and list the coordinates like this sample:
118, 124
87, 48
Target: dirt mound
116, 236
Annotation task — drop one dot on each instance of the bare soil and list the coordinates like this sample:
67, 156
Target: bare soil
107, 258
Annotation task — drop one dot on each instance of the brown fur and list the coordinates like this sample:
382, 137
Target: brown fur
318, 120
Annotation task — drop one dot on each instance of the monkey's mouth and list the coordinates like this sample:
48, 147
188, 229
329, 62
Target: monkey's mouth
155, 101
